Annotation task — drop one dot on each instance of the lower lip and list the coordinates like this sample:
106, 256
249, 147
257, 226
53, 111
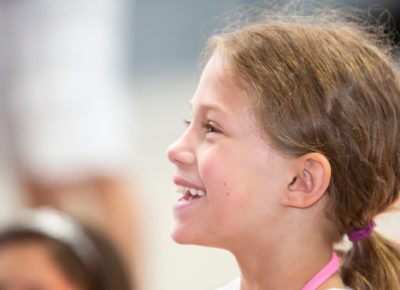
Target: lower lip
182, 206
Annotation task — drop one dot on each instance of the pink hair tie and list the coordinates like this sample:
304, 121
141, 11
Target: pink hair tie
355, 236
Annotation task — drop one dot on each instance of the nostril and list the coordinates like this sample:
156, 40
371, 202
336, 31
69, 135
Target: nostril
184, 158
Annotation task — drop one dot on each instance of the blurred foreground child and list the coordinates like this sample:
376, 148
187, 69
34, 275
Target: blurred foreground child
48, 250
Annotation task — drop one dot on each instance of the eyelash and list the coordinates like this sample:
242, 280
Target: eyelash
209, 127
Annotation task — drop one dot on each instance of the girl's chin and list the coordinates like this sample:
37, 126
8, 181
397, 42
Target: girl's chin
184, 237
187, 235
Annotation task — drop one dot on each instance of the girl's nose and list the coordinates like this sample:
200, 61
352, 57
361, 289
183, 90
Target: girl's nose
180, 153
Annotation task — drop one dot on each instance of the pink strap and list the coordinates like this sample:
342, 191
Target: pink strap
324, 274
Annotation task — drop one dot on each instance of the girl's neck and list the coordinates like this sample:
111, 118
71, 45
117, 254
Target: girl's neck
287, 264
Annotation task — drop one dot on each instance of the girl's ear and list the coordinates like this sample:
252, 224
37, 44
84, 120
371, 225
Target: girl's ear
310, 181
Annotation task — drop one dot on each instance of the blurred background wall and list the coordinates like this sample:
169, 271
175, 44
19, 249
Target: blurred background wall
157, 61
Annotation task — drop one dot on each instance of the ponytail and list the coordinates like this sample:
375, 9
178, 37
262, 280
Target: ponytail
372, 263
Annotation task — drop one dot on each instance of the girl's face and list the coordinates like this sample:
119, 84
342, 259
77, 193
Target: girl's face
28, 266
223, 154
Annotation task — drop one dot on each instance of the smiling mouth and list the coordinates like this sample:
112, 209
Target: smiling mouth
189, 193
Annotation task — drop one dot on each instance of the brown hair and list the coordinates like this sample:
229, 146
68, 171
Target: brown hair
324, 87
102, 269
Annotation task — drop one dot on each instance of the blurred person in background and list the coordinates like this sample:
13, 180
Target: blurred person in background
48, 250
67, 114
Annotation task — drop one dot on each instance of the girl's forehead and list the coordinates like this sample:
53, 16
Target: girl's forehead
216, 89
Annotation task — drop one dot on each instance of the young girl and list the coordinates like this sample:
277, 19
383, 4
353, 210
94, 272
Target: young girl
294, 142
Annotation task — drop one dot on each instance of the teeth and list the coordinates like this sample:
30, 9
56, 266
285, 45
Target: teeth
191, 191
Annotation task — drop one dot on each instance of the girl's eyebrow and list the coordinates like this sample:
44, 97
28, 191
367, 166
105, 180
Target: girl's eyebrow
210, 107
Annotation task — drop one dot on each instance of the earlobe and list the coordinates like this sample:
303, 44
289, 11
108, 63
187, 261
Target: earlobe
310, 182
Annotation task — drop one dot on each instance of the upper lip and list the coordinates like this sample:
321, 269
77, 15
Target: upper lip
180, 181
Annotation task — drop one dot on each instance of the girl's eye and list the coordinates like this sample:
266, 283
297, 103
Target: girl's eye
210, 128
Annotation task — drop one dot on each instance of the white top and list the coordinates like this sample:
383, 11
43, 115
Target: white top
235, 285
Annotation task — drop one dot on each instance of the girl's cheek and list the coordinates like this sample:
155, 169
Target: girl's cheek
217, 181
211, 171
